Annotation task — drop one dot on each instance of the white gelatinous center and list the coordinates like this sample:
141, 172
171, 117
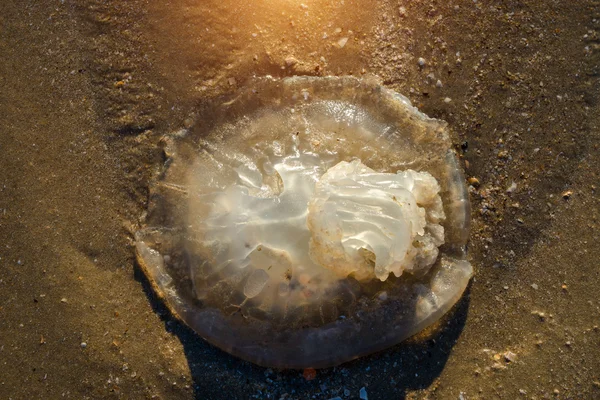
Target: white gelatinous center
298, 218
370, 223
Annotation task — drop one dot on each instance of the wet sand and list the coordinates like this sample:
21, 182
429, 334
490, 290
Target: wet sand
87, 90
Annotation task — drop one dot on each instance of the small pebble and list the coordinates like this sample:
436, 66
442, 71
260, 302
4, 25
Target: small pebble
83, 345
474, 181
363, 394
497, 366
421, 62
541, 315
438, 84
309, 374
291, 61
509, 356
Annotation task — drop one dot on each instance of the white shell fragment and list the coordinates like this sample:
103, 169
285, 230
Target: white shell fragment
307, 221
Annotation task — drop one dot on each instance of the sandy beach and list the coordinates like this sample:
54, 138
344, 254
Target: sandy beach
88, 89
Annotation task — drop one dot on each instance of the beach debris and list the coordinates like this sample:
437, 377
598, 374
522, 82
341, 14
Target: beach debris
509, 356
363, 394
342, 42
291, 61
474, 181
309, 374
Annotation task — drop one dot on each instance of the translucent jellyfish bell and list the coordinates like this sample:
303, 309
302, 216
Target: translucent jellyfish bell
308, 221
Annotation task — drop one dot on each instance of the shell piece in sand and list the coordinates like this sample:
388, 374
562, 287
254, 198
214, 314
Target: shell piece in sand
308, 221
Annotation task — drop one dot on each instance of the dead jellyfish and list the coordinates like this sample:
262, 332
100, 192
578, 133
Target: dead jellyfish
308, 221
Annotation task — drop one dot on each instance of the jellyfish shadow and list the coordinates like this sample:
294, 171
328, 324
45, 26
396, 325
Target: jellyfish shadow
392, 373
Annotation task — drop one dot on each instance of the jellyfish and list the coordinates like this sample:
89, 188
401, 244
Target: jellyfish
307, 221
